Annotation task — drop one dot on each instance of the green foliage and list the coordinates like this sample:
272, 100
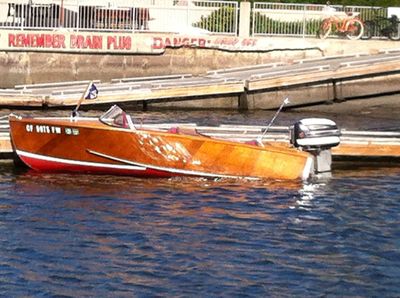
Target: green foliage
264, 24
221, 20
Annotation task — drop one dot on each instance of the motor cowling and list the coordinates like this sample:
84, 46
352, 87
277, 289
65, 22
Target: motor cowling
316, 136
315, 133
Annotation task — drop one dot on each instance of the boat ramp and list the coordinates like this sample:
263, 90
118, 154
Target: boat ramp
263, 86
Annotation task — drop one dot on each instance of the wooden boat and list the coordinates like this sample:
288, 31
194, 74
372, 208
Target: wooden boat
112, 144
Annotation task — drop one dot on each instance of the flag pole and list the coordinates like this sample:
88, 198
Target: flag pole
75, 111
259, 139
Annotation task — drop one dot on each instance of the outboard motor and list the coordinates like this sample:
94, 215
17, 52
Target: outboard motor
316, 136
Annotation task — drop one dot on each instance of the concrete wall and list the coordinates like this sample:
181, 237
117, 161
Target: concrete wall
40, 67
23, 67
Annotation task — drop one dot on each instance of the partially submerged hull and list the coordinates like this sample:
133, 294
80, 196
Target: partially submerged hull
90, 146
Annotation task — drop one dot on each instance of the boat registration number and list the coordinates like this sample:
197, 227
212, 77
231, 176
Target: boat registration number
43, 128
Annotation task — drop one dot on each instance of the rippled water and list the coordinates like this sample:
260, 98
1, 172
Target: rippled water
92, 236
104, 236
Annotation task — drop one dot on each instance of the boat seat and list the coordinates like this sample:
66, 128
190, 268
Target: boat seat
253, 142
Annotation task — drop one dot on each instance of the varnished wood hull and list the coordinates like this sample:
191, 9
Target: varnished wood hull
87, 145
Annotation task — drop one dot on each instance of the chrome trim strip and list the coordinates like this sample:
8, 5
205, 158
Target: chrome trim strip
170, 170
80, 163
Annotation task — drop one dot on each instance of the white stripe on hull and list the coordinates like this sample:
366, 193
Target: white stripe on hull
164, 169
79, 163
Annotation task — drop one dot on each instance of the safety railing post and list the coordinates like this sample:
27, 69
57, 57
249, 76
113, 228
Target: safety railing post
244, 19
304, 21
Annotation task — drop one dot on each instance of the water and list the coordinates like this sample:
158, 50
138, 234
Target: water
105, 236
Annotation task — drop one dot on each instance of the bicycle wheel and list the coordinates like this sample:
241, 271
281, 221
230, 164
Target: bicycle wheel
325, 29
369, 29
355, 29
394, 33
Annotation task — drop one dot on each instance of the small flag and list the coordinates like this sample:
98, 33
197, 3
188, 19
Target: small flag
92, 92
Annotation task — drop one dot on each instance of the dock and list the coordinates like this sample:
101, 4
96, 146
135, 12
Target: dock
327, 78
354, 146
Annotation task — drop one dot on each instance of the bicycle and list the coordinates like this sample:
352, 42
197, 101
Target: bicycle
382, 26
349, 25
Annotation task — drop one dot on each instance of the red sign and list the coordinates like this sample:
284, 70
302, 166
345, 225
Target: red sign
32, 40
110, 42
164, 42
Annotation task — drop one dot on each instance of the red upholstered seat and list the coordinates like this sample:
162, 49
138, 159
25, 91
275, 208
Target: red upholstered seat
252, 142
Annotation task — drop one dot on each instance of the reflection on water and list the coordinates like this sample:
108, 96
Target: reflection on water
86, 235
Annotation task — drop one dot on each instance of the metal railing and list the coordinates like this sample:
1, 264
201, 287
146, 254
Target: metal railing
183, 16
299, 19
140, 15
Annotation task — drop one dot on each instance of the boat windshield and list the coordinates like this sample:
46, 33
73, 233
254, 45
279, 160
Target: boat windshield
117, 117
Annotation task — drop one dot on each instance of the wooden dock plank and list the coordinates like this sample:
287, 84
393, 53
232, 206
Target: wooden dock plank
308, 72
367, 150
21, 100
5, 145
153, 94
322, 75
